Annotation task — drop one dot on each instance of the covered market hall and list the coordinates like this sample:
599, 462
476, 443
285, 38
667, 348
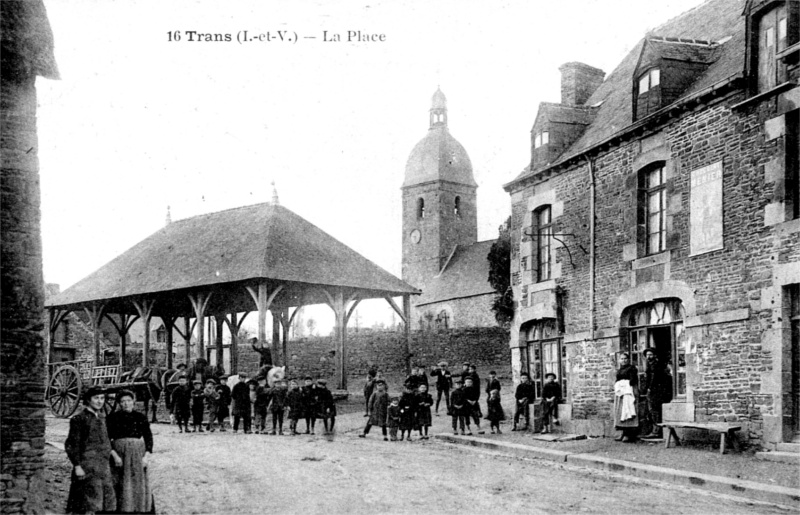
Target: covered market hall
229, 264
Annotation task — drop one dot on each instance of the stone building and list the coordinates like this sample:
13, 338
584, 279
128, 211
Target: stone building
27, 43
660, 209
441, 252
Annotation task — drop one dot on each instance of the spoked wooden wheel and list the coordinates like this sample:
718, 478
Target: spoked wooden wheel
64, 391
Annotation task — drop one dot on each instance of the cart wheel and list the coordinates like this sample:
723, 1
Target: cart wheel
64, 391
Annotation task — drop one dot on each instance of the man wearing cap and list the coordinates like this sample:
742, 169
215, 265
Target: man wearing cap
658, 385
444, 382
265, 356
89, 449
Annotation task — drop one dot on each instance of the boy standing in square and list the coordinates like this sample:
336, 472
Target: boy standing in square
551, 396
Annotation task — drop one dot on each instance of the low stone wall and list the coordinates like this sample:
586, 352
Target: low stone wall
386, 351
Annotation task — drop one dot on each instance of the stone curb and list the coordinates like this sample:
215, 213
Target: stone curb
519, 449
719, 484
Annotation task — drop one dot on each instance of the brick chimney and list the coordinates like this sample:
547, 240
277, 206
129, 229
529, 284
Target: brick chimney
578, 82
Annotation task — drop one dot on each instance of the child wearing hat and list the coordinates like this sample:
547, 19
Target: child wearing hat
278, 394
377, 408
263, 398
408, 409
240, 394
326, 405
458, 408
492, 384
551, 395
198, 406
294, 401
495, 412
310, 404
393, 418
472, 396
424, 403
182, 404
212, 403
223, 411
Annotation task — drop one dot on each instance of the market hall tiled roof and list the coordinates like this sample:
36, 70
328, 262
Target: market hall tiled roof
261, 241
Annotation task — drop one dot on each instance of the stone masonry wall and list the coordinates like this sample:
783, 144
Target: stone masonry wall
730, 371
385, 350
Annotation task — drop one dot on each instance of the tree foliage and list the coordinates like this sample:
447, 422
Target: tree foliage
500, 276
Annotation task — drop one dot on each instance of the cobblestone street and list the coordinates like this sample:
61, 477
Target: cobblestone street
227, 473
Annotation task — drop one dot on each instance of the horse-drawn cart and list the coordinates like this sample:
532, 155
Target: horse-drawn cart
68, 380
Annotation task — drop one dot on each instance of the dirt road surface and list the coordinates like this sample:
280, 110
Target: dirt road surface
227, 473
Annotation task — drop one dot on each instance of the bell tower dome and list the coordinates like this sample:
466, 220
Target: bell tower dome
439, 199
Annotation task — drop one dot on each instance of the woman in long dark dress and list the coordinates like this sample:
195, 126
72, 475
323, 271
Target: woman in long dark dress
131, 438
89, 451
629, 426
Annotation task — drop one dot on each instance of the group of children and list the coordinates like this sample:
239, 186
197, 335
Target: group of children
252, 400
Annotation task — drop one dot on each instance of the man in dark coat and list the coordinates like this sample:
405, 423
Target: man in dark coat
241, 404
658, 385
525, 395
265, 357
89, 450
444, 382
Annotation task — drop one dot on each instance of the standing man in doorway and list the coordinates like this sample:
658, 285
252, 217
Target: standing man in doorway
658, 384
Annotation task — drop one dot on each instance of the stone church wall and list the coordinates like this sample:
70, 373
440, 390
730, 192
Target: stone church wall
385, 350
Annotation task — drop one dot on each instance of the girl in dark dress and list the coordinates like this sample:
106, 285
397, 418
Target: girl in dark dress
495, 413
89, 450
294, 400
424, 403
629, 427
408, 408
131, 438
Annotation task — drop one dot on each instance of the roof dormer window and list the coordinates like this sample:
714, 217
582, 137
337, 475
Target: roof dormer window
649, 80
542, 138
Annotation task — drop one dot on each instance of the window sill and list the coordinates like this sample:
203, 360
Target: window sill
780, 88
652, 260
549, 284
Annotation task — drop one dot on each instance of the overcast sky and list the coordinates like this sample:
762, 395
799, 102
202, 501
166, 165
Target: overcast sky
138, 123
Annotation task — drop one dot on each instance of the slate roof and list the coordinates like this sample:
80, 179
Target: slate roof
465, 275
714, 20
258, 241
438, 156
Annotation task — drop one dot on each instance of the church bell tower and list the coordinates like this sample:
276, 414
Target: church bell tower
439, 199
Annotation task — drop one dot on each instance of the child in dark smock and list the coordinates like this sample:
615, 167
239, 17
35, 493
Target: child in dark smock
326, 405
424, 403
495, 412
377, 409
393, 418
294, 401
182, 404
263, 397
408, 409
198, 406
460, 410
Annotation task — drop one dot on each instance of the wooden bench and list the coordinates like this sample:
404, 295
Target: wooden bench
724, 430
